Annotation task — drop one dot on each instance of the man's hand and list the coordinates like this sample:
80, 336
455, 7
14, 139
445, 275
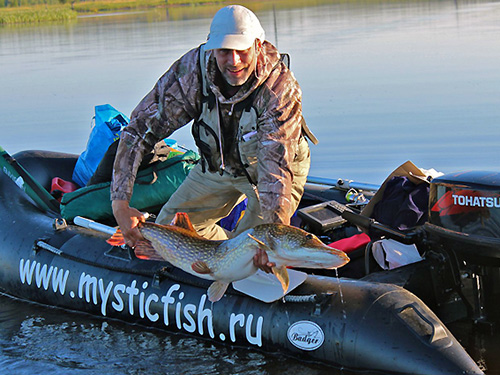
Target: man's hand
261, 261
127, 218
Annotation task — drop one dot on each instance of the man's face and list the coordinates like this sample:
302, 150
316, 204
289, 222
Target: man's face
237, 66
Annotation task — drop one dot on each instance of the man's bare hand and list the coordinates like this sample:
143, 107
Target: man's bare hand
127, 218
261, 261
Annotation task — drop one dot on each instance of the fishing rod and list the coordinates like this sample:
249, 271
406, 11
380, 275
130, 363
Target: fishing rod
275, 27
342, 184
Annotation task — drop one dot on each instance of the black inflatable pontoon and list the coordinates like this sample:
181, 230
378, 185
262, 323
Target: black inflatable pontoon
343, 322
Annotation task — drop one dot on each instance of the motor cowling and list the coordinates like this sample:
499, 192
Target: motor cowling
467, 202
464, 220
464, 213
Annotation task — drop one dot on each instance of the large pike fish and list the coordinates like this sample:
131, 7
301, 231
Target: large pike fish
225, 261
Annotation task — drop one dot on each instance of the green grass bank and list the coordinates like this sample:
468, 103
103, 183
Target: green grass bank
36, 14
63, 10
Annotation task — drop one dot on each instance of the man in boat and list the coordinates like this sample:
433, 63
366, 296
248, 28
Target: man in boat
248, 126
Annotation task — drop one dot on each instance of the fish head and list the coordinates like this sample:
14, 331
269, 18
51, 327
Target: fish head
292, 246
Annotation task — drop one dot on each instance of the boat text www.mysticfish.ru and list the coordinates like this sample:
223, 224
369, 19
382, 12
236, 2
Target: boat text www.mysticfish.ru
188, 317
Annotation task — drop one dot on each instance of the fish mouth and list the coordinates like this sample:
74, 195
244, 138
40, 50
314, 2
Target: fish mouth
327, 264
344, 259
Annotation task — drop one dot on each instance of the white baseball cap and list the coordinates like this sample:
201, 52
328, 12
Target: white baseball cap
234, 27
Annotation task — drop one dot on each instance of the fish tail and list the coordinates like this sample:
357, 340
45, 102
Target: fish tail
116, 239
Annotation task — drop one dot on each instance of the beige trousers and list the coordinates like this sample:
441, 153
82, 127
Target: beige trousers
208, 197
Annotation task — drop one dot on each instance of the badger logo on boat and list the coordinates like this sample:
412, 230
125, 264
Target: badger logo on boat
306, 335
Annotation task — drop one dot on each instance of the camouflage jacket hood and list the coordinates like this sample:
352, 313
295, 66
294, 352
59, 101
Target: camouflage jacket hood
176, 99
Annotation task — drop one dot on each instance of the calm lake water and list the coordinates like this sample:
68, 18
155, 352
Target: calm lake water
382, 82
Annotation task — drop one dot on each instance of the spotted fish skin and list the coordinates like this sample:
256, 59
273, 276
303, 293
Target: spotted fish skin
225, 261
183, 248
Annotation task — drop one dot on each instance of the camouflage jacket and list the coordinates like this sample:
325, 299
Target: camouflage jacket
177, 99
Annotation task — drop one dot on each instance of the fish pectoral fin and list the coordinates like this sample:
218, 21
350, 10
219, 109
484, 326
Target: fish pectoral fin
263, 246
281, 274
201, 267
217, 290
145, 250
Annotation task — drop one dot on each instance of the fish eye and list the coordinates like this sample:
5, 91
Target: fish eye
309, 237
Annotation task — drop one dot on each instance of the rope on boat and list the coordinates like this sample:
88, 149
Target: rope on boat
301, 299
44, 245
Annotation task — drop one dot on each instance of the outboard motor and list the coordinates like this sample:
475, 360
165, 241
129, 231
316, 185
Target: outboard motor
464, 219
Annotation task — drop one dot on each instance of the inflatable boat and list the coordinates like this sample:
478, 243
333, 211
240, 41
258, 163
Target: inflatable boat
374, 322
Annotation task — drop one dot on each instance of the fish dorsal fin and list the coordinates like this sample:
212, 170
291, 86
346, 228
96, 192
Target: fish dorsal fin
145, 250
201, 267
181, 219
217, 290
262, 244
281, 274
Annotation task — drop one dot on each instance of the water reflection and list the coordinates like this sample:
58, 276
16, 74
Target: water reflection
43, 340
383, 82
37, 339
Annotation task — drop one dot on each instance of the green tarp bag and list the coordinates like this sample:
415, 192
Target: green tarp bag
153, 187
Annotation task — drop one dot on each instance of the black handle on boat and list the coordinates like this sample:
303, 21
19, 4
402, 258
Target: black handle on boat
26, 182
377, 228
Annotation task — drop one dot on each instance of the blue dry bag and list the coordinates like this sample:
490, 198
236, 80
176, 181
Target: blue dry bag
108, 123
